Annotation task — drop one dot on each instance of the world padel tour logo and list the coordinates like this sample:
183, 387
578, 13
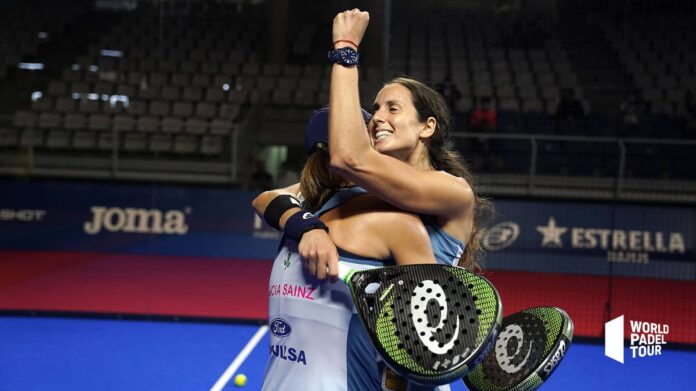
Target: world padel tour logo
646, 339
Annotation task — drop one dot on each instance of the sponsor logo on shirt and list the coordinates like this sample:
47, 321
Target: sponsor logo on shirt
280, 328
290, 354
292, 290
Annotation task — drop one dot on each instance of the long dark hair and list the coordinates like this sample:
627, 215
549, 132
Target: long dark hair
444, 157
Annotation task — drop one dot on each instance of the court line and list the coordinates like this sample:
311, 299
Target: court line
237, 362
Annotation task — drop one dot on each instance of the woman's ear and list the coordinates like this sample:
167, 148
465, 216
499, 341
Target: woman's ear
428, 128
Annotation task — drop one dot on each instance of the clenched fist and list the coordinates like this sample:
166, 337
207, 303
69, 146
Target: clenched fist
350, 26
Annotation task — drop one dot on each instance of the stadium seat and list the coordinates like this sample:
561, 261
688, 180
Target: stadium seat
134, 142
172, 125
185, 144
196, 126
211, 145
160, 143
84, 140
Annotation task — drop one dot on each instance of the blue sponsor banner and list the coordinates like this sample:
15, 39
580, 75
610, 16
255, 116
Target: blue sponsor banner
546, 236
593, 238
132, 218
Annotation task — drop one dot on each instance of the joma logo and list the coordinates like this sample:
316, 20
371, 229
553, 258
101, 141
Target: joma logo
132, 220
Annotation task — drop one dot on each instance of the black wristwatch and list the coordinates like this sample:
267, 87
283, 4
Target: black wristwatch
345, 56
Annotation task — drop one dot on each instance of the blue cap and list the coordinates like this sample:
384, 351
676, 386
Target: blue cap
317, 130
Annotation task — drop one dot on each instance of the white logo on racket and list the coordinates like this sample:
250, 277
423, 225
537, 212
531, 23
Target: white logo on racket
501, 354
421, 299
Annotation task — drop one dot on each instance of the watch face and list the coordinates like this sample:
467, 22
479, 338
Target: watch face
348, 56
344, 56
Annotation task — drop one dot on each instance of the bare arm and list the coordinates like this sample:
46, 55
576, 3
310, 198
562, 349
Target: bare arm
408, 241
427, 192
316, 248
260, 203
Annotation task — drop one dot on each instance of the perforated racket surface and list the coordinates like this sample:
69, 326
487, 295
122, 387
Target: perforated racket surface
527, 350
429, 322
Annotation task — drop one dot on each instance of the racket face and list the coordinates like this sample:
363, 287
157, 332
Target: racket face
429, 322
528, 348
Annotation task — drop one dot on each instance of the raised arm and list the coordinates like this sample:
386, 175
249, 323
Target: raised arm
408, 184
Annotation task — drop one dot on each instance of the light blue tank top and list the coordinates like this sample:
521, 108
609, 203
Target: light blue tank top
365, 368
447, 249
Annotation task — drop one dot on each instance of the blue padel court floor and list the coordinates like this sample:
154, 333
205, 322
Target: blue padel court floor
46, 353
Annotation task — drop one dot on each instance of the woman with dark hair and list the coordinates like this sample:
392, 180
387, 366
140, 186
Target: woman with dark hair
405, 156
312, 320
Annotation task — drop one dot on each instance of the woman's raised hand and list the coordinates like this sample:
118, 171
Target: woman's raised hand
349, 26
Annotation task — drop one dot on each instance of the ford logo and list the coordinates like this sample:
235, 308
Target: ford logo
280, 328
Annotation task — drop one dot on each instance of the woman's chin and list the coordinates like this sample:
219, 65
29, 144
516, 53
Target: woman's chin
382, 146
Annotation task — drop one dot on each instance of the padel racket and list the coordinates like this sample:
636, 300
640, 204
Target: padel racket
431, 323
529, 347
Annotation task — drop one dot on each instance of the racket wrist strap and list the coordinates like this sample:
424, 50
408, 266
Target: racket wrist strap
302, 222
277, 207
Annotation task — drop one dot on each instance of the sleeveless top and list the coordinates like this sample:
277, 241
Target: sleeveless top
316, 340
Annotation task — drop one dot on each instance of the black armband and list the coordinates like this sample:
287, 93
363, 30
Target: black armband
301, 222
277, 207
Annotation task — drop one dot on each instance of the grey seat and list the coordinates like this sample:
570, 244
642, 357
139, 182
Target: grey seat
206, 110
147, 124
180, 80
48, 120
103, 88
159, 108
105, 141
65, 104
58, 139
185, 144
90, 106
196, 126
182, 109
45, 103
172, 125
170, 93
9, 137
137, 107
135, 142
75, 121
99, 122
201, 80
221, 127
84, 140
192, 93
124, 123
23, 118
57, 88
160, 143
211, 145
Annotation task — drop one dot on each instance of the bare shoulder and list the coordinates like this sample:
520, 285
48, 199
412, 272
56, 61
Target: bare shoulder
455, 180
391, 220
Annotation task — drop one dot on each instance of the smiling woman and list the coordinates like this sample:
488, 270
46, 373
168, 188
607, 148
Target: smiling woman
405, 158
411, 124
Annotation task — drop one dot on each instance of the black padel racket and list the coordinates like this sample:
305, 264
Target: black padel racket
529, 347
431, 323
